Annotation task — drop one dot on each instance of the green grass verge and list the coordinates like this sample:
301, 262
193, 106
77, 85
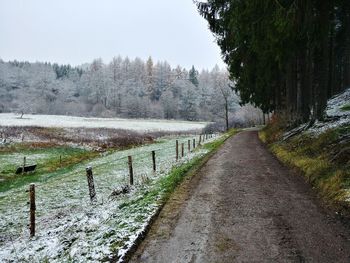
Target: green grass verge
320, 159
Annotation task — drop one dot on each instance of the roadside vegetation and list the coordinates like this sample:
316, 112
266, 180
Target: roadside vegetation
324, 158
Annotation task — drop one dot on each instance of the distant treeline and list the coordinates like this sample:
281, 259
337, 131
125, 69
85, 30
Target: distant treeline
122, 88
287, 56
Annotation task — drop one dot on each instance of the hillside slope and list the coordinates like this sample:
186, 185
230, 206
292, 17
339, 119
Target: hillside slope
321, 151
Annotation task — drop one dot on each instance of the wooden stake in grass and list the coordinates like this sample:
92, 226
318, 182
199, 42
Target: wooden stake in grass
154, 160
194, 143
60, 160
189, 146
131, 172
90, 179
32, 209
177, 150
24, 163
182, 149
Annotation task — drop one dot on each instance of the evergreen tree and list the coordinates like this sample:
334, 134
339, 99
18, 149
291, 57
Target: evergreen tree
193, 76
287, 56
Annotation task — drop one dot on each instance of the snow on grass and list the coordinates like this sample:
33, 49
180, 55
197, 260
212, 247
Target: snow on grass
69, 227
336, 114
335, 106
142, 125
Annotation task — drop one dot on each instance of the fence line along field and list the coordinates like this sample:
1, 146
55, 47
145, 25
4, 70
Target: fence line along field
68, 225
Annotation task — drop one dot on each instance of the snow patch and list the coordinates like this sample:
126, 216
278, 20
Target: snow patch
335, 104
335, 115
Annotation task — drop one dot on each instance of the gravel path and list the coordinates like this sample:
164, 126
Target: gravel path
244, 206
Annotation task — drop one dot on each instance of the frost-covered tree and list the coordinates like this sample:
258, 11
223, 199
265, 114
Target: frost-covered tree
124, 87
225, 99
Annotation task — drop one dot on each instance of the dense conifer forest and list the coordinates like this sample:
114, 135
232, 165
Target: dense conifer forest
284, 56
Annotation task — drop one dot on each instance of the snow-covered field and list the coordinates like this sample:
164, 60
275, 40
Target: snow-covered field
69, 228
142, 125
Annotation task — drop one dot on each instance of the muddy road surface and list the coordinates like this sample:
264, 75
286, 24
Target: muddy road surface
244, 206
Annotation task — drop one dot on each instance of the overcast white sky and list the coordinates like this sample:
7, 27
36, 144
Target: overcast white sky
77, 31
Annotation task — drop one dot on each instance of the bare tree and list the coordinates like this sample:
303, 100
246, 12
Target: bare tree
225, 97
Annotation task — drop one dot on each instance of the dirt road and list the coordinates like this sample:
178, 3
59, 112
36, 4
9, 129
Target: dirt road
244, 206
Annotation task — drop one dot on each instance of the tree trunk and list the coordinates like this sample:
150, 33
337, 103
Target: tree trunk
226, 114
322, 58
346, 72
331, 66
291, 89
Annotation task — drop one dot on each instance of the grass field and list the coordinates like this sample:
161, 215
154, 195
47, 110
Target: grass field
68, 226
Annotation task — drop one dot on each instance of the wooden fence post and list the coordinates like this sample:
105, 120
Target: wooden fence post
24, 163
90, 179
177, 150
189, 146
200, 139
194, 143
131, 171
182, 149
32, 209
154, 160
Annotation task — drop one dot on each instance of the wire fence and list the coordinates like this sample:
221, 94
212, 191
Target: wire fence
65, 194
